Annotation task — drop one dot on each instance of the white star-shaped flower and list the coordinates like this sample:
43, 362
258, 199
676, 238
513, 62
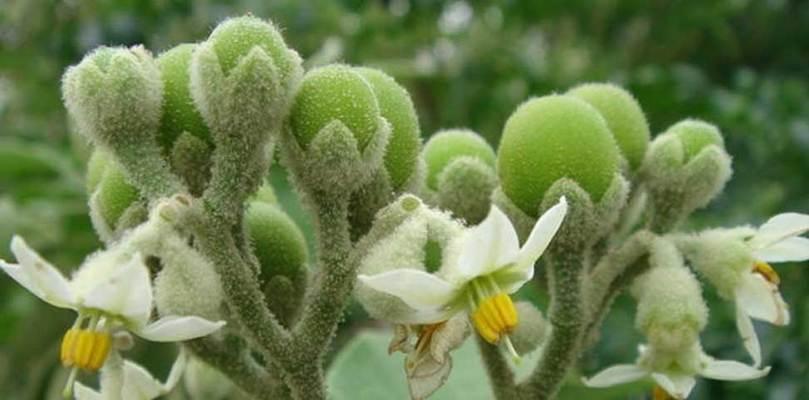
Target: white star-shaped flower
491, 266
133, 382
111, 291
674, 373
756, 293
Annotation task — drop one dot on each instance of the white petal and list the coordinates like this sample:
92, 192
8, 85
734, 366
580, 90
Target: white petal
38, 276
761, 299
779, 228
732, 371
176, 329
542, 234
787, 250
487, 246
510, 279
676, 385
81, 392
418, 289
139, 383
748, 333
126, 293
616, 375
177, 370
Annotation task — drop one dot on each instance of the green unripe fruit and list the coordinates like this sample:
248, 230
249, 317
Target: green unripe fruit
695, 135
233, 39
623, 115
550, 138
401, 154
265, 194
335, 92
179, 112
446, 146
279, 244
115, 194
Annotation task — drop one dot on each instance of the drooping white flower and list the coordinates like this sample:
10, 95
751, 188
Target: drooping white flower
133, 382
491, 266
111, 291
756, 294
674, 373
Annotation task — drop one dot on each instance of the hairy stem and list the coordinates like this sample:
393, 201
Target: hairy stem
237, 364
566, 318
241, 289
501, 376
333, 284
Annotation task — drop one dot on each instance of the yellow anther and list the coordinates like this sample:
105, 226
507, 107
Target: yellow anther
767, 272
85, 349
68, 343
495, 317
659, 394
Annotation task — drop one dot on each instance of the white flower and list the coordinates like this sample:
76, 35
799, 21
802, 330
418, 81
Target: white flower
130, 381
675, 373
756, 293
111, 292
491, 266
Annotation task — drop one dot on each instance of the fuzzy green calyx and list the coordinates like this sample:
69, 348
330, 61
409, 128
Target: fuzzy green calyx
395, 105
695, 135
550, 138
448, 145
532, 329
335, 93
179, 112
278, 242
624, 117
234, 38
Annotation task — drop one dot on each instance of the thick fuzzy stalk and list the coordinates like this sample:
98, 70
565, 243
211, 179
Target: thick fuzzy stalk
567, 321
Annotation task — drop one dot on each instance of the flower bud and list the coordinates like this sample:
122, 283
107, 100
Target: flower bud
447, 146
684, 169
280, 248
179, 112
335, 93
550, 138
623, 115
532, 329
114, 95
671, 311
401, 153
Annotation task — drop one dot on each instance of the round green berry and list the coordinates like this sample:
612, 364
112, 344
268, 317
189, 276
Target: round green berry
401, 154
179, 113
695, 135
623, 115
233, 39
550, 138
279, 244
446, 146
335, 92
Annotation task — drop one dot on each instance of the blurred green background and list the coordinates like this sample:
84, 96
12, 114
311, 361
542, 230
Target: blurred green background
741, 64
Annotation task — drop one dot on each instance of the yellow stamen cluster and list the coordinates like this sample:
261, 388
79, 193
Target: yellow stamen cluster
767, 272
495, 316
85, 349
659, 394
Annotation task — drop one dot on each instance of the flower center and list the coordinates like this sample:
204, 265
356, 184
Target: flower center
767, 272
659, 394
495, 316
85, 348
492, 312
